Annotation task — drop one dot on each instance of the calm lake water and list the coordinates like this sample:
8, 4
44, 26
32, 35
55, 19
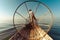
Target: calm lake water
54, 32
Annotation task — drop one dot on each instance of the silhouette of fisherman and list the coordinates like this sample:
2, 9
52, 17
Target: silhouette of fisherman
32, 18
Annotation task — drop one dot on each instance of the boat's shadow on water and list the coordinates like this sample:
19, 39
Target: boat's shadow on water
55, 33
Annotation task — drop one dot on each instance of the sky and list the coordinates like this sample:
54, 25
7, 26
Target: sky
7, 8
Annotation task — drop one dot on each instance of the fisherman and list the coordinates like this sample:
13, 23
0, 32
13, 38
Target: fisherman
32, 18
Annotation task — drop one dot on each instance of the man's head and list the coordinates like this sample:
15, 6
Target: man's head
30, 10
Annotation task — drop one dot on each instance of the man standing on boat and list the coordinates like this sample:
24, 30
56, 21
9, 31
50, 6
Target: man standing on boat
32, 18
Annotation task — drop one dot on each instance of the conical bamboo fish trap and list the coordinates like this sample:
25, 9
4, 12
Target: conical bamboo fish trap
30, 32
